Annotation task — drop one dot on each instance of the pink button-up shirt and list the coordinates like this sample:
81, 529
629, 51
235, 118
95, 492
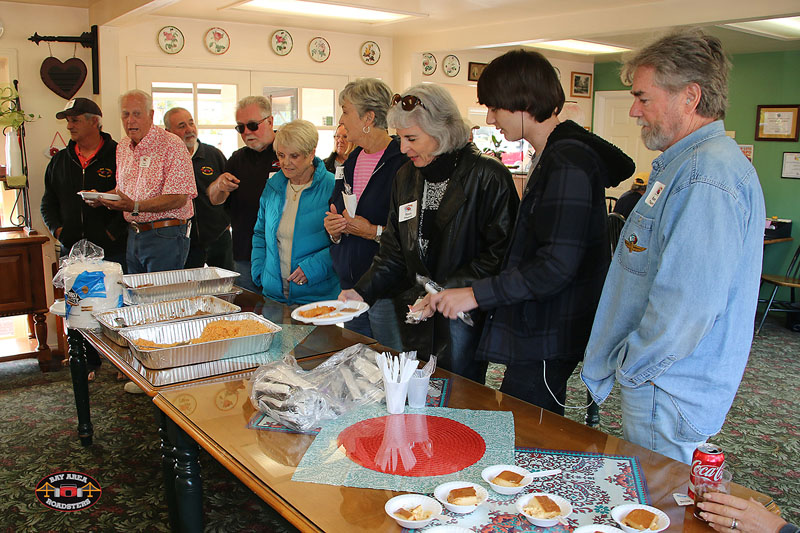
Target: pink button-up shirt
159, 164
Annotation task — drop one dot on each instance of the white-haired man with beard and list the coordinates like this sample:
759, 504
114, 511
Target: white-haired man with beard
675, 319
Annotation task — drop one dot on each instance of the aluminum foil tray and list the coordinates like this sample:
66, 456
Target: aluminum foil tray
195, 353
170, 284
113, 321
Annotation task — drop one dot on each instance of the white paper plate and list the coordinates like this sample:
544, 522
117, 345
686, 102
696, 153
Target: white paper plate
409, 501
619, 512
563, 503
334, 317
490, 472
442, 491
92, 195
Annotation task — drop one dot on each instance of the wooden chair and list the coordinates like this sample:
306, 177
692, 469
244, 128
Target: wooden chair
790, 280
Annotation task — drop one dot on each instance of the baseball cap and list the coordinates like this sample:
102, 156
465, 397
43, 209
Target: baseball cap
79, 106
641, 179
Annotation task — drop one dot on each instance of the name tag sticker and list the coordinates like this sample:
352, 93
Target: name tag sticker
340, 173
144, 161
656, 191
407, 211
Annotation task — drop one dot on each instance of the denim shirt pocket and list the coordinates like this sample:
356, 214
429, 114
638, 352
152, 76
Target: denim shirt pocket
633, 251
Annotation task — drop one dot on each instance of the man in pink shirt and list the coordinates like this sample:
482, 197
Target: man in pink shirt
155, 181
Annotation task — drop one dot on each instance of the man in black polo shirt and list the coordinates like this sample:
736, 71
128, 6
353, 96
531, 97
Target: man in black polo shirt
242, 183
210, 236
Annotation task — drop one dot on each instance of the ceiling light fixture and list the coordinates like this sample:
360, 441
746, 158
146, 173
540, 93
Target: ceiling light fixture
785, 29
324, 9
575, 46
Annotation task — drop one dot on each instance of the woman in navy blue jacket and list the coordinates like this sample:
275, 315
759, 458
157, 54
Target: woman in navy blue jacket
291, 258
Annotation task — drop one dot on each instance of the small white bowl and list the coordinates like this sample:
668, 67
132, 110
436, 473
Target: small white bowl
491, 472
619, 512
409, 501
442, 491
598, 527
566, 509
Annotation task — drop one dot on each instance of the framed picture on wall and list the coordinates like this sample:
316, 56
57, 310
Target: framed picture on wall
581, 86
475, 70
777, 123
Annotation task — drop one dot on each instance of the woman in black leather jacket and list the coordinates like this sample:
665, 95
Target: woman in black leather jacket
450, 219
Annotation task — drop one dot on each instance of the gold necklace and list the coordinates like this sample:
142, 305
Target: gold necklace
297, 191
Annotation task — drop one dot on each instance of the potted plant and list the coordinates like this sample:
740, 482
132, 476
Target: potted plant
10, 113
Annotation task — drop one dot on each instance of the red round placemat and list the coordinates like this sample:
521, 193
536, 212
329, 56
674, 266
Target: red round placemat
412, 445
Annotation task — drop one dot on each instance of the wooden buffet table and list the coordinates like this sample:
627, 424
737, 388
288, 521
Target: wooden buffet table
265, 460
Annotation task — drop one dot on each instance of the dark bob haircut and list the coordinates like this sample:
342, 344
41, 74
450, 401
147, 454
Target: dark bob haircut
522, 80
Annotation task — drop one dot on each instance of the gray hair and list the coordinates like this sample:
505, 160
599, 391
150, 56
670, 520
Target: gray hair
683, 57
261, 101
136, 93
299, 134
90, 116
368, 94
169, 114
439, 118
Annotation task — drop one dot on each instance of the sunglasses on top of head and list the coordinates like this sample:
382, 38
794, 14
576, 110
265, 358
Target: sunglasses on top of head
407, 102
252, 125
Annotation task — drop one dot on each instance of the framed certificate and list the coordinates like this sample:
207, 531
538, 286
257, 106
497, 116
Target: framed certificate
777, 123
791, 165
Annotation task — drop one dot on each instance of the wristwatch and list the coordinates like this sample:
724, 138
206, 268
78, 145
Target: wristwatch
378, 233
135, 212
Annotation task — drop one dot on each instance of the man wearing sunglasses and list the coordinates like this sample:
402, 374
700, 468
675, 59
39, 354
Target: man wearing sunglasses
242, 183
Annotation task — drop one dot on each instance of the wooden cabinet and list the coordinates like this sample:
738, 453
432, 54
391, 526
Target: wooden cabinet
22, 287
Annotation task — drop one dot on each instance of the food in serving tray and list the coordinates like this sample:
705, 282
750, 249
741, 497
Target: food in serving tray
463, 496
507, 478
641, 519
542, 507
417, 513
214, 331
317, 311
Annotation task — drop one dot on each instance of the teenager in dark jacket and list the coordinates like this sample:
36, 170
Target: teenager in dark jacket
89, 162
451, 214
541, 306
368, 173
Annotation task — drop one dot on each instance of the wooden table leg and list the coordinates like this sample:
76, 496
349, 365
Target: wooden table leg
168, 470
80, 385
188, 483
42, 350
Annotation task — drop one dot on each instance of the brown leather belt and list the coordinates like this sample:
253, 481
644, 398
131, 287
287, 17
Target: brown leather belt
139, 227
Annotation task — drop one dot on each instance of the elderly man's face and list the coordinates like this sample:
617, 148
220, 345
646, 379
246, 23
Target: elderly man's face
656, 110
136, 119
81, 128
263, 135
417, 145
340, 141
181, 124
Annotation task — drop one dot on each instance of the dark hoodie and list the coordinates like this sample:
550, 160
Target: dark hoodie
543, 302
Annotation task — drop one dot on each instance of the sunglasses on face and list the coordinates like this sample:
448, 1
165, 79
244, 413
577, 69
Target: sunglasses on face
252, 125
407, 102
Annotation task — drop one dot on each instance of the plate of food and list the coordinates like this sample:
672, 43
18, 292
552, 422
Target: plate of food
94, 195
635, 517
543, 509
413, 511
329, 312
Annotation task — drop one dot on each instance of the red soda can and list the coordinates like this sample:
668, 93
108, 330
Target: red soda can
708, 461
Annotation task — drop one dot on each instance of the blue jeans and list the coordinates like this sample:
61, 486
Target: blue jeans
245, 279
650, 419
381, 323
157, 250
463, 345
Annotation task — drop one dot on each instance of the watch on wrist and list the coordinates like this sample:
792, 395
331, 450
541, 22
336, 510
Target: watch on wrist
135, 212
378, 233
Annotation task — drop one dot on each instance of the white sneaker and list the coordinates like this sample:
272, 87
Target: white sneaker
132, 388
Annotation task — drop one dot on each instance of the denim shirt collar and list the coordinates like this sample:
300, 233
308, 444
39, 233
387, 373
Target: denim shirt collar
713, 129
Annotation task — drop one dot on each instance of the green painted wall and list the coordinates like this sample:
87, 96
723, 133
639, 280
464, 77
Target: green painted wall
756, 79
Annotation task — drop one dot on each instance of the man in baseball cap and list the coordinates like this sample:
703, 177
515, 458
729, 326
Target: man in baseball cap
628, 200
79, 106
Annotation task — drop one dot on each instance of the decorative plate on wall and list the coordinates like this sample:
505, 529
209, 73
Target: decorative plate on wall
282, 42
319, 49
217, 41
428, 64
451, 66
170, 39
370, 52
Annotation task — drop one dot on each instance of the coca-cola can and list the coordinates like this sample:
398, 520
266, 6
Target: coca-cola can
708, 462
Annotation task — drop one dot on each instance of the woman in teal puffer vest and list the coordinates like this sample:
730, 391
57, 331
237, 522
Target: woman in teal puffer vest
290, 259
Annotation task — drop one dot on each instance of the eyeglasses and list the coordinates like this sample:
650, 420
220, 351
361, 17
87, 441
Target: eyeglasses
407, 102
252, 125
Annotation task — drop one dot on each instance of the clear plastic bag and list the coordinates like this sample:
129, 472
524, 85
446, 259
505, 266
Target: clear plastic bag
302, 399
83, 251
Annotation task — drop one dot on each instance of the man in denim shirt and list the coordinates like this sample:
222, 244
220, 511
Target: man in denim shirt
675, 320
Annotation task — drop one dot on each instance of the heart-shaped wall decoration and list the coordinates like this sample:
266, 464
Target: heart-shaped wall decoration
63, 78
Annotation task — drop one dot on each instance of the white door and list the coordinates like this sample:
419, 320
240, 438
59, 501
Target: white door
612, 122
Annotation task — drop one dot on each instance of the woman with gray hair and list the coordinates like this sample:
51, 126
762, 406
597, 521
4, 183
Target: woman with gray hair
367, 174
290, 257
450, 220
